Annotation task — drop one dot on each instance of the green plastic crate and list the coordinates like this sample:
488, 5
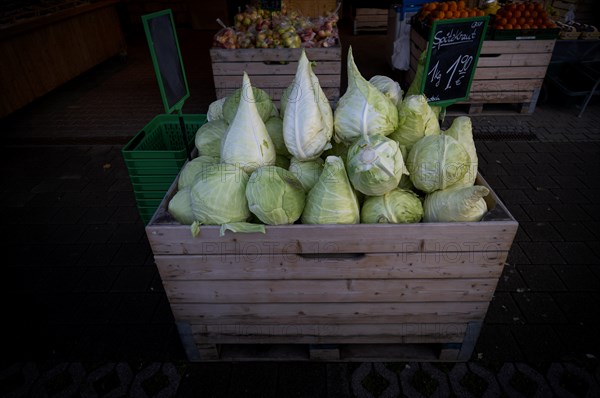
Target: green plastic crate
170, 164
159, 179
150, 203
162, 138
146, 213
154, 171
149, 195
155, 186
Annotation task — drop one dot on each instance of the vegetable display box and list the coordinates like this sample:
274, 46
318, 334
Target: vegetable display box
508, 72
154, 157
334, 292
273, 69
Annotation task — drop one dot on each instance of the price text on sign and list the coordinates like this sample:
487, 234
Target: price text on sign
452, 54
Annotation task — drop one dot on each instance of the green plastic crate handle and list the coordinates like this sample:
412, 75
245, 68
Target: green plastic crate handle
137, 140
184, 136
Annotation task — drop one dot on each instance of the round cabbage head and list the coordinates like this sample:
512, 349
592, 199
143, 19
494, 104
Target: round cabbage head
263, 102
437, 162
275, 195
389, 87
395, 207
219, 195
375, 165
275, 129
209, 136
417, 120
180, 206
307, 172
215, 110
193, 168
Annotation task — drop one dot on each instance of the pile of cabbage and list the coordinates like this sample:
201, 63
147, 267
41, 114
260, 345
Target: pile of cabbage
379, 158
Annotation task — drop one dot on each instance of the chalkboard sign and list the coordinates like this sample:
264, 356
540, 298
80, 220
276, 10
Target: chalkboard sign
452, 55
166, 57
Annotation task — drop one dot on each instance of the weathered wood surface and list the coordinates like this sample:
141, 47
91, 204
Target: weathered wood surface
328, 313
268, 266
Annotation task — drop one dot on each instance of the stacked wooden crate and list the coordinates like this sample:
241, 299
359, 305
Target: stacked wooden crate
370, 20
273, 69
336, 292
508, 72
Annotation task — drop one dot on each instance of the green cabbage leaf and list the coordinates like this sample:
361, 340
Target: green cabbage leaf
363, 110
332, 200
246, 142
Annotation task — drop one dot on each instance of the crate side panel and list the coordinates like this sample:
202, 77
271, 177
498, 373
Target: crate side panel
253, 265
360, 238
517, 46
328, 313
517, 72
254, 69
274, 54
510, 60
330, 291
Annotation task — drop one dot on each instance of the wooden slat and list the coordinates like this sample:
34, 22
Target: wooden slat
371, 11
359, 238
260, 68
332, 93
371, 19
506, 85
331, 333
274, 54
250, 266
277, 81
506, 60
513, 97
517, 46
419, 42
517, 72
330, 291
329, 313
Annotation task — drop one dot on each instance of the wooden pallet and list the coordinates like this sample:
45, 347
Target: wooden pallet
331, 289
268, 351
370, 20
273, 69
508, 72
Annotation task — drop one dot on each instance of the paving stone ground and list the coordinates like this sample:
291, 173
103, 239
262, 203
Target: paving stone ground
84, 307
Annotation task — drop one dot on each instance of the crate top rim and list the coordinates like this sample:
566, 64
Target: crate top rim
215, 229
254, 50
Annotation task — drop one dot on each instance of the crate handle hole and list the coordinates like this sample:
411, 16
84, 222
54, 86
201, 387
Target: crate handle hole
489, 55
276, 62
329, 256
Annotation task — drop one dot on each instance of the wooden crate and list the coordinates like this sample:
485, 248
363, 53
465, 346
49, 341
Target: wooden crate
335, 292
273, 69
508, 72
312, 8
370, 20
